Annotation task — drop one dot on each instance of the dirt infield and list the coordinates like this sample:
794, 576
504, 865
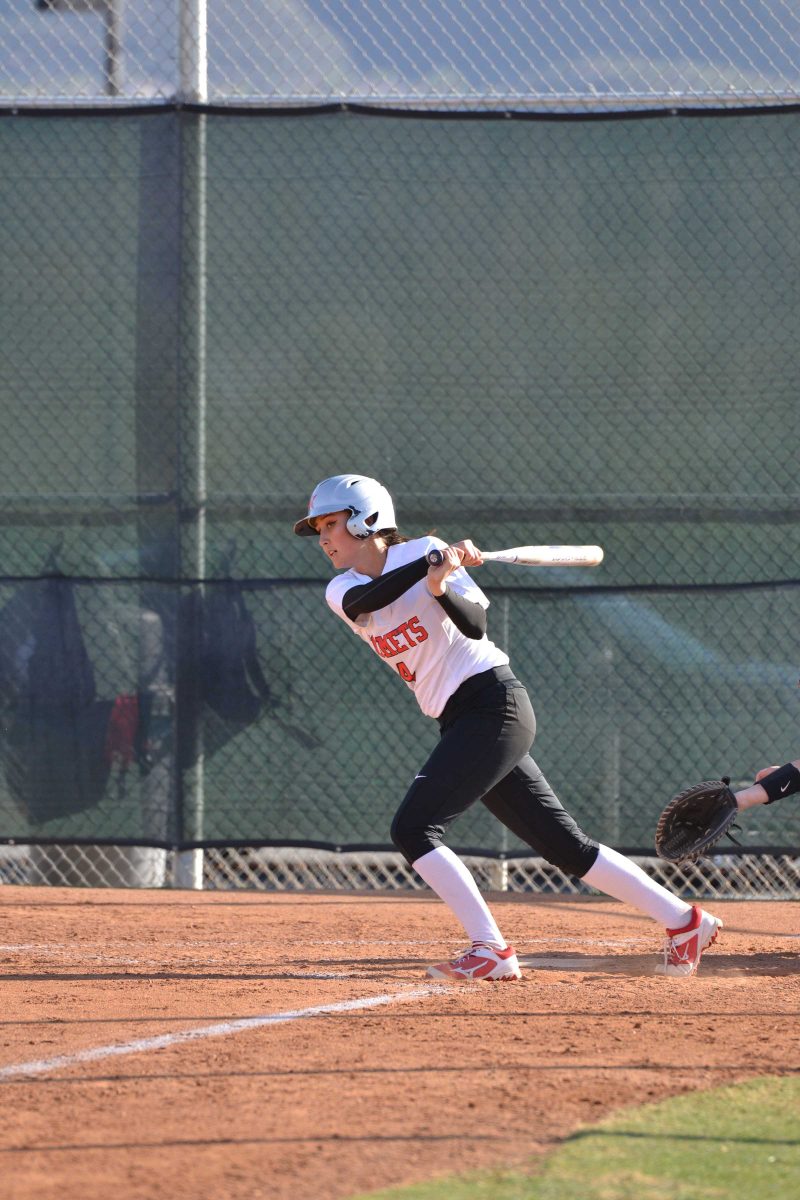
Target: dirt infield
101, 1098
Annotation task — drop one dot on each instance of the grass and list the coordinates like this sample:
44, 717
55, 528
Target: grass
733, 1143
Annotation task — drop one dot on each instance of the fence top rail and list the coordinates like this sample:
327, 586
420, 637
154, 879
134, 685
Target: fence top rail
510, 104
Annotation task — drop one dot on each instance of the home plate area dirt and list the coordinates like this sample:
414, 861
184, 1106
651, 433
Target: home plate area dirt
250, 1045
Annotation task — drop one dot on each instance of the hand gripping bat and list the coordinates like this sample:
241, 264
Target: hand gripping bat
536, 556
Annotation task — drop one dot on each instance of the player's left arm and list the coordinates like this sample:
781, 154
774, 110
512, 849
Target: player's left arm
468, 616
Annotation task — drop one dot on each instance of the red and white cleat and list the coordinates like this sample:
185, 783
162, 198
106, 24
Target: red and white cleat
683, 948
480, 962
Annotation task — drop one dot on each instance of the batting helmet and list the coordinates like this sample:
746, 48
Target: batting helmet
368, 502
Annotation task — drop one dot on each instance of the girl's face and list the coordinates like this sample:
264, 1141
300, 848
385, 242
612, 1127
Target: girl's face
336, 541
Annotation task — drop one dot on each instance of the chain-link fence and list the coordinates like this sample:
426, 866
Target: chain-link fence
532, 325
460, 54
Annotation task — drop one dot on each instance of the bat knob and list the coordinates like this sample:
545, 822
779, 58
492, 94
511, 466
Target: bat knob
435, 558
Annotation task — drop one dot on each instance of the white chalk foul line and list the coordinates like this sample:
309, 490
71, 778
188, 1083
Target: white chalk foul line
223, 1029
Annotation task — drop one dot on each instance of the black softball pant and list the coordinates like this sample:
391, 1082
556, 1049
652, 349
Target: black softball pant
487, 728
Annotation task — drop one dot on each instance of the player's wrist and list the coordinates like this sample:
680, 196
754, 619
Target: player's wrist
437, 588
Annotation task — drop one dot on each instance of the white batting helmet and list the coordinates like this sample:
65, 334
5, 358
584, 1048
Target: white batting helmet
368, 502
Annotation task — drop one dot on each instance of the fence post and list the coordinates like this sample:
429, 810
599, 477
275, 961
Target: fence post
193, 88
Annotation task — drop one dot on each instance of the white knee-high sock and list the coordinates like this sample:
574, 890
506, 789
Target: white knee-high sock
444, 871
617, 876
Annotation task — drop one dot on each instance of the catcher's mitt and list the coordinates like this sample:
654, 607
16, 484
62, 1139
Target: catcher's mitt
695, 820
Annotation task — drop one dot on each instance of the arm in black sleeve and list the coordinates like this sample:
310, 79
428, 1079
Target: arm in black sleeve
468, 616
369, 597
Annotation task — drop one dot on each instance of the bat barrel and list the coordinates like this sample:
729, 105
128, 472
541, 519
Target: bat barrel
548, 556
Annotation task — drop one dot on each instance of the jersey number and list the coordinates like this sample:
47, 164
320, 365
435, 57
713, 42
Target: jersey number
409, 676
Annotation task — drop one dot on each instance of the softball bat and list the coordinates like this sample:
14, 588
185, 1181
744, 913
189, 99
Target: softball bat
536, 556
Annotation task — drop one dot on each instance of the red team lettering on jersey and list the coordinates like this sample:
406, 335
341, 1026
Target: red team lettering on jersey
404, 637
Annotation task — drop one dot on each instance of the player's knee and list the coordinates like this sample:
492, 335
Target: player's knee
413, 840
574, 857
398, 835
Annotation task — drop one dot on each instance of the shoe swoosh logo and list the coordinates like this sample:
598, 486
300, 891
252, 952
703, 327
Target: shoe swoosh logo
683, 954
479, 966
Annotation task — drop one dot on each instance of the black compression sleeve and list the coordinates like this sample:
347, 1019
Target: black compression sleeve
468, 616
369, 597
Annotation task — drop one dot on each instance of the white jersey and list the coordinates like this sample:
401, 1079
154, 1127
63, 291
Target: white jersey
415, 636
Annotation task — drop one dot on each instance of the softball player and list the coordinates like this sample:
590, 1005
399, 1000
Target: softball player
428, 624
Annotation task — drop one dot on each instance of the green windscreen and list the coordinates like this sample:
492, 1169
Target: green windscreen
531, 330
